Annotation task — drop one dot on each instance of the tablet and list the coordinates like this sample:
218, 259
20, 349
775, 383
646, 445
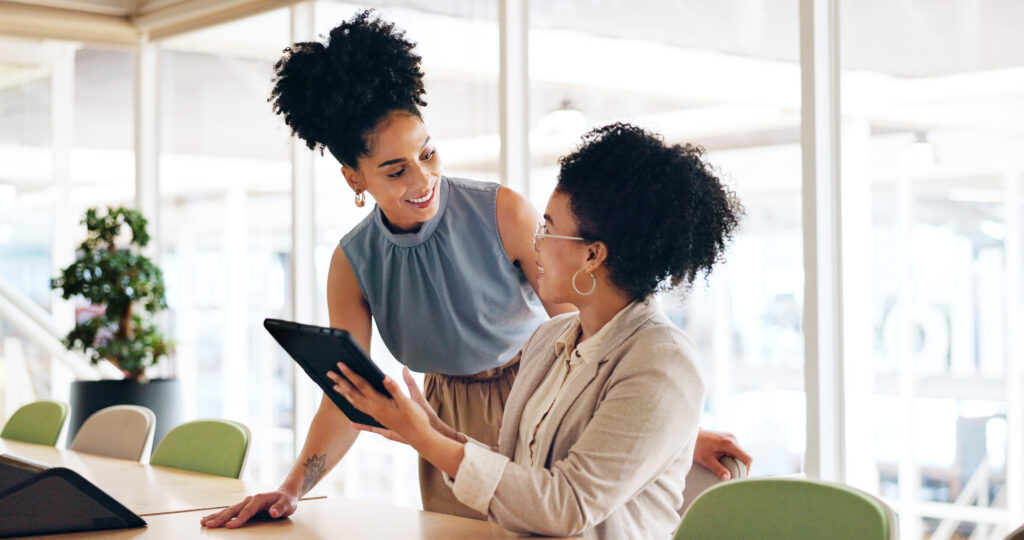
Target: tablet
36, 498
318, 350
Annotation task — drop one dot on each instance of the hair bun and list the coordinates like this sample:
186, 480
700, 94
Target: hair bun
298, 90
332, 95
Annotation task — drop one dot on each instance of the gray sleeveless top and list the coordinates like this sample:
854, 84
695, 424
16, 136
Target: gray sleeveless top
446, 299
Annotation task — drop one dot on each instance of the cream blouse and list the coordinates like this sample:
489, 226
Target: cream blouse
476, 482
571, 358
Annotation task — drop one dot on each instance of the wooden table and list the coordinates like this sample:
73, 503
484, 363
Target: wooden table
334, 517
145, 489
172, 502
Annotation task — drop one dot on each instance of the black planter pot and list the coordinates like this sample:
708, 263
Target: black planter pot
162, 396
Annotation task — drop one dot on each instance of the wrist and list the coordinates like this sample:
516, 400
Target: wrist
424, 439
291, 488
441, 451
448, 431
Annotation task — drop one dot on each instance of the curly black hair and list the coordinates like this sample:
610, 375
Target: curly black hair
660, 209
333, 96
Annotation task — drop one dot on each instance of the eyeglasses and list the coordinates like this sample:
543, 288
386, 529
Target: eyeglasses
542, 232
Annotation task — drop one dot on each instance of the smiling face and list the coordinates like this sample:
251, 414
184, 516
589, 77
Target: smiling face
559, 258
402, 172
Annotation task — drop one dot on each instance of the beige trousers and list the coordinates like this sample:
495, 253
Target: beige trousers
472, 404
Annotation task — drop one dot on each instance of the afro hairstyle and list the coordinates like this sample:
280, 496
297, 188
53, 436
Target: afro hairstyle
333, 95
660, 209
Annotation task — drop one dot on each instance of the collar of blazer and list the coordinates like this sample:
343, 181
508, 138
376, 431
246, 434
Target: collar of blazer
542, 357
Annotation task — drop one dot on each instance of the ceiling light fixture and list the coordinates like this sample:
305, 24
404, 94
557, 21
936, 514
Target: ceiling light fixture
564, 123
919, 156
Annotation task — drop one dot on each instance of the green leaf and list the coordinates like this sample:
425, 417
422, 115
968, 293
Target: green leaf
120, 279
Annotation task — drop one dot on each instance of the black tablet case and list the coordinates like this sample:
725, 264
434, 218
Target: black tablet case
318, 350
38, 499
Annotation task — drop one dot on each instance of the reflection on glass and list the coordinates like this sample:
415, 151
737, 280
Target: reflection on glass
225, 180
931, 153
26, 179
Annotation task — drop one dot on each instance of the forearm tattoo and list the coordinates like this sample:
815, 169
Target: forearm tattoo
313, 470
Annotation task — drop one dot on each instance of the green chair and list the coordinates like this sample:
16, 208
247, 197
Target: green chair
785, 508
39, 422
217, 447
700, 479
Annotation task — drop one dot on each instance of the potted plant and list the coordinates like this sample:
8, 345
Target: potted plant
124, 289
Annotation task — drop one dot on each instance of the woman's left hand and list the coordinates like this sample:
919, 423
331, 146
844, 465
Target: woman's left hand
406, 421
712, 445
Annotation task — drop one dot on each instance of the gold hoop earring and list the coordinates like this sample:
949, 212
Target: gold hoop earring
593, 284
360, 199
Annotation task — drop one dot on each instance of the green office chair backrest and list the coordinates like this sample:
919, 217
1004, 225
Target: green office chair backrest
784, 508
216, 447
39, 422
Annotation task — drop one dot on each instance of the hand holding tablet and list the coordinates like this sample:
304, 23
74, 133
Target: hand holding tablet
318, 350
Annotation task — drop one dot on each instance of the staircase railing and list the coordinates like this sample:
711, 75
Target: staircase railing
38, 326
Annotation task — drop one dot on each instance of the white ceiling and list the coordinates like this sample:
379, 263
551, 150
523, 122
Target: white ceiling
120, 8
906, 38
121, 21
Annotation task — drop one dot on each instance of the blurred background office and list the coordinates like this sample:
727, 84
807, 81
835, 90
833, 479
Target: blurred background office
899, 222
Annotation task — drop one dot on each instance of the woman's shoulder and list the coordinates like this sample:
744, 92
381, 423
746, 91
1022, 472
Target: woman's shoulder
468, 186
472, 200
659, 344
359, 231
660, 330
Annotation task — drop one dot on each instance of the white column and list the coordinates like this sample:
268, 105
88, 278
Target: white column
62, 125
723, 348
65, 216
303, 293
147, 142
908, 474
185, 230
235, 363
513, 30
858, 332
822, 226
1014, 350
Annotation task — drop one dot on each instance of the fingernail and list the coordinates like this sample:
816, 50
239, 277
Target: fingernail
274, 512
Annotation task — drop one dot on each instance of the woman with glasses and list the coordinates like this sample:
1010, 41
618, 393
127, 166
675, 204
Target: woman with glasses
600, 425
442, 265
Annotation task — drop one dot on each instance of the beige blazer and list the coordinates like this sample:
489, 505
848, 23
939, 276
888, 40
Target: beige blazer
617, 455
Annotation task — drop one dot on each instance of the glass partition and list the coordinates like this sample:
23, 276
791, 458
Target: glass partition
932, 161
26, 223
225, 204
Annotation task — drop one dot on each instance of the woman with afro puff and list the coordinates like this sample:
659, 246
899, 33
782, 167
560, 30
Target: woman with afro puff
600, 426
443, 266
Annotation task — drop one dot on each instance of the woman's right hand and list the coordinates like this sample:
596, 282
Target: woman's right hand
276, 504
417, 396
